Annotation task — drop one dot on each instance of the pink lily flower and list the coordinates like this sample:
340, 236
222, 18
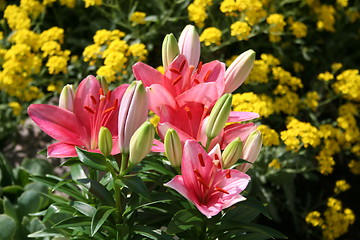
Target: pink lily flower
205, 183
93, 108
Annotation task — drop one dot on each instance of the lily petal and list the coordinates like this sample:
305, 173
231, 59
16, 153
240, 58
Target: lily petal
61, 150
242, 116
147, 74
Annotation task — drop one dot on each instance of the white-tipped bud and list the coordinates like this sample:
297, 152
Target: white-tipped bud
239, 70
251, 150
189, 45
232, 153
218, 116
173, 148
132, 113
105, 141
141, 142
67, 97
170, 49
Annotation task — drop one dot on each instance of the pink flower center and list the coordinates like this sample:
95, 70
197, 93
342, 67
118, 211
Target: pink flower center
100, 112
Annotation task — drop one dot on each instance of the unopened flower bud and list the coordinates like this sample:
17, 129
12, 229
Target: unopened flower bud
238, 71
67, 97
105, 141
251, 150
132, 113
141, 142
232, 153
103, 83
189, 45
218, 116
173, 147
170, 49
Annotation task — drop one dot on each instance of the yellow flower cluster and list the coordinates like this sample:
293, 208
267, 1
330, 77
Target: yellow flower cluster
275, 164
286, 79
89, 3
335, 220
16, 108
348, 123
250, 102
240, 30
17, 17
300, 134
252, 11
312, 100
270, 136
348, 84
211, 35
138, 18
326, 76
197, 12
114, 52
276, 28
326, 17
262, 68
354, 167
299, 29
341, 186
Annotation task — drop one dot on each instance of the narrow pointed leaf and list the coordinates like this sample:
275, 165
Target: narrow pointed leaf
91, 159
84, 208
100, 217
136, 185
183, 220
99, 191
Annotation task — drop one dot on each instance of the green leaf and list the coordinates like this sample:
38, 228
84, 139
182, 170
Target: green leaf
99, 191
58, 208
71, 162
73, 222
52, 181
37, 166
6, 171
135, 184
8, 227
84, 208
183, 220
30, 196
9, 209
45, 233
100, 217
92, 160
151, 233
12, 189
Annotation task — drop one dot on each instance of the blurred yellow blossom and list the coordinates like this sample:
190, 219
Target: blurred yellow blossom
52, 34
312, 100
276, 28
348, 84
240, 30
32, 7
89, 3
314, 218
16, 108
336, 66
326, 18
275, 164
58, 63
250, 102
270, 136
354, 167
341, 186
139, 51
197, 12
138, 18
17, 18
326, 76
107, 72
50, 48
342, 3
211, 35
161, 69
299, 29
298, 133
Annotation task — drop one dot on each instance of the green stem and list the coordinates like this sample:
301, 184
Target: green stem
117, 195
208, 141
124, 162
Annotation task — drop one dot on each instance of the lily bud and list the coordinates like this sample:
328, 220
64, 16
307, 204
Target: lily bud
132, 113
189, 45
105, 141
173, 147
232, 153
67, 97
141, 142
251, 150
170, 49
218, 116
238, 71
103, 83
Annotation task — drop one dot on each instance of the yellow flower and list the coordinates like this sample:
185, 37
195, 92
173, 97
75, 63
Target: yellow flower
241, 30
336, 66
68, 3
277, 24
326, 18
270, 136
52, 34
314, 218
326, 76
58, 63
348, 84
116, 60
108, 72
89, 3
51, 48
161, 69
354, 167
116, 45
275, 164
299, 29
250, 102
197, 12
16, 108
342, 3
25, 36
91, 53
139, 51
32, 7
102, 36
138, 18
228, 6
312, 100
341, 186
211, 35
17, 18
326, 163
